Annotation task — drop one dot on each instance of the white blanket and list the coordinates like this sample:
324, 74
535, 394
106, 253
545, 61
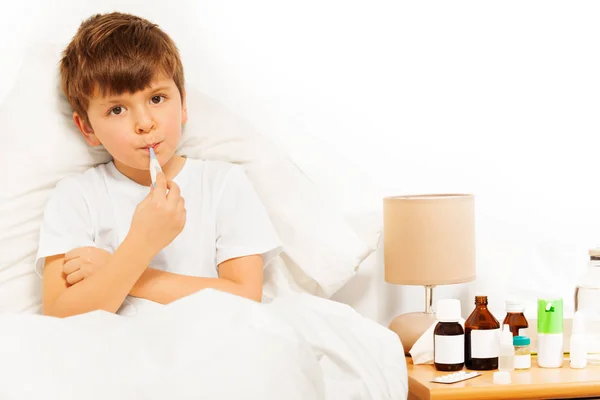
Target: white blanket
210, 345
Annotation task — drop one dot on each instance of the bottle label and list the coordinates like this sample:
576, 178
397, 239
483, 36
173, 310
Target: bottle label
449, 349
523, 361
484, 343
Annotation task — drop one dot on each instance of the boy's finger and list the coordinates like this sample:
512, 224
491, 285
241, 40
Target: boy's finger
160, 189
174, 191
75, 277
71, 254
71, 266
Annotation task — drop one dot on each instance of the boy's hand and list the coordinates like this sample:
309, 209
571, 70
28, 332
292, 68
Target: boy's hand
83, 262
159, 218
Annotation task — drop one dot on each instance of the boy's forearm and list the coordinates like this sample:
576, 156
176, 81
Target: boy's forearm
107, 289
165, 287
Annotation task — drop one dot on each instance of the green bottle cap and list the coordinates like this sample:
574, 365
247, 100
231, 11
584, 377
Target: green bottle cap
550, 316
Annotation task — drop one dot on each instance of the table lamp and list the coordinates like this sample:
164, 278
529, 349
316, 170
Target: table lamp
429, 240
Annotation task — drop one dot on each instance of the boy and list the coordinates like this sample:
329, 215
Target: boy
109, 236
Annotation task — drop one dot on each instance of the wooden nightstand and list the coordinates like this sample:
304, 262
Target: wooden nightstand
533, 383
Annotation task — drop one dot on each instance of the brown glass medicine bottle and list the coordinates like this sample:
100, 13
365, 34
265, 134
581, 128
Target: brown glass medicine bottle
515, 318
448, 337
481, 337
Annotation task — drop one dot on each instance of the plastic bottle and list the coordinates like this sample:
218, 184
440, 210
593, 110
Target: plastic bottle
577, 344
550, 333
522, 352
587, 299
481, 337
515, 318
448, 337
587, 292
506, 357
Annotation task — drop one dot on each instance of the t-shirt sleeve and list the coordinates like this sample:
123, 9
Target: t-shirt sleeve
243, 226
66, 224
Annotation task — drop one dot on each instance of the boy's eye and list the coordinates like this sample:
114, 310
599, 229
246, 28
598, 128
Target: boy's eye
157, 99
116, 110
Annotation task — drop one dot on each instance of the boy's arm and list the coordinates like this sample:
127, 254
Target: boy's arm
242, 276
156, 221
105, 290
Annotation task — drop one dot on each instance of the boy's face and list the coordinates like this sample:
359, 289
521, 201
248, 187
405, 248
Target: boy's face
127, 125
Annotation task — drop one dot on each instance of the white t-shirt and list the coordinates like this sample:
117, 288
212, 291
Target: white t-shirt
225, 218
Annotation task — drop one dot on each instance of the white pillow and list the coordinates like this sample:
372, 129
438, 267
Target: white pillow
40, 145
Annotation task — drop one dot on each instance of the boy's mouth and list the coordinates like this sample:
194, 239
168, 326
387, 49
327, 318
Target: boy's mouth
153, 146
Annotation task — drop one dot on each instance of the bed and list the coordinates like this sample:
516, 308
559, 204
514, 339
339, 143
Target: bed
297, 344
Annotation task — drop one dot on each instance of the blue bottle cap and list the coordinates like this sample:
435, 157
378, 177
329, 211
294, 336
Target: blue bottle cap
521, 341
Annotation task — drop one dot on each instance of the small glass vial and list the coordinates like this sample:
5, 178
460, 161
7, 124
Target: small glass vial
515, 318
481, 337
522, 352
448, 337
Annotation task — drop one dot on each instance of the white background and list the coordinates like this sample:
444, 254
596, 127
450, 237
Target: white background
498, 99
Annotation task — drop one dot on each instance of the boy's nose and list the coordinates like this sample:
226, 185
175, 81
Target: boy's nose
144, 123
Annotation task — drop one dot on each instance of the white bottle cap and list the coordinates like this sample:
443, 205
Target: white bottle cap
514, 306
448, 310
501, 378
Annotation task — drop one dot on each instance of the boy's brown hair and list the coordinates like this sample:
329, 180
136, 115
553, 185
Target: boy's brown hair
116, 53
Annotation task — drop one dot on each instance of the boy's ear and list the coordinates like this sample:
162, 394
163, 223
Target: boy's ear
86, 130
184, 113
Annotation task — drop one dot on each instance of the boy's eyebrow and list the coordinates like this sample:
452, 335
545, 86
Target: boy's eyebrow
161, 88
114, 101
118, 99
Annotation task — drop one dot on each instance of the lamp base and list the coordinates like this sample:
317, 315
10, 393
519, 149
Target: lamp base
410, 326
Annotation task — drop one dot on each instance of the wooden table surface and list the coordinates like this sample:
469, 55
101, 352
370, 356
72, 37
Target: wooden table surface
533, 383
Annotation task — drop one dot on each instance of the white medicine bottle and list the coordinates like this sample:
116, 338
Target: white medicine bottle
577, 343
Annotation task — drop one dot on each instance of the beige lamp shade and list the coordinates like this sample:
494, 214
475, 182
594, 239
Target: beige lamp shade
429, 239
